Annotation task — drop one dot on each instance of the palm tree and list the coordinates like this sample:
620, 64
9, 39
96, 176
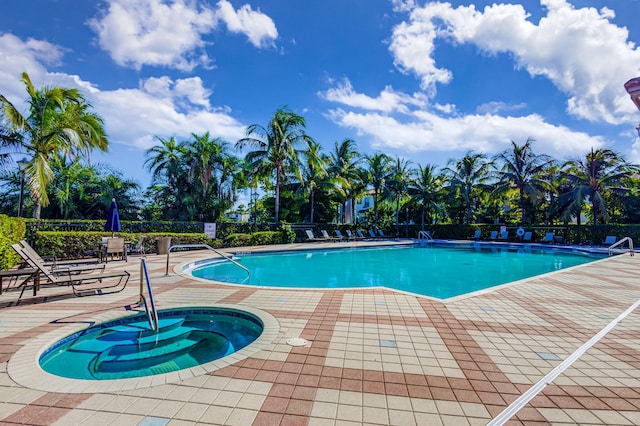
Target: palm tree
425, 189
314, 173
344, 170
466, 174
524, 170
204, 156
601, 171
275, 147
400, 176
378, 176
59, 123
164, 161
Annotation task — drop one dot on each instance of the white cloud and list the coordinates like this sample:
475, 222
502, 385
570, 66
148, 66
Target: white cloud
428, 132
388, 100
585, 55
258, 27
160, 106
495, 107
18, 56
154, 32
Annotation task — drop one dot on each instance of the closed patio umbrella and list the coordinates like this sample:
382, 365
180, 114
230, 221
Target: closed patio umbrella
113, 219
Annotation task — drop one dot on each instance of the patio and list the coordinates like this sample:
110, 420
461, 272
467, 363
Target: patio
375, 356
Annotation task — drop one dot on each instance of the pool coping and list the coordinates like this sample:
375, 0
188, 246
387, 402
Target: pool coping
24, 367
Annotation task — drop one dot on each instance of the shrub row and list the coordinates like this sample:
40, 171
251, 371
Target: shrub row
12, 230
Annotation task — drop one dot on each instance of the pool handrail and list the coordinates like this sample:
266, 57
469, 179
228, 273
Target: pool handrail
425, 235
623, 240
207, 246
152, 313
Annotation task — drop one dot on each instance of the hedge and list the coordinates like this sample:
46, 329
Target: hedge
12, 230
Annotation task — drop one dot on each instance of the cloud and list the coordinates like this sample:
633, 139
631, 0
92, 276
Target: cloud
429, 132
160, 106
171, 32
258, 27
388, 100
496, 107
580, 51
18, 56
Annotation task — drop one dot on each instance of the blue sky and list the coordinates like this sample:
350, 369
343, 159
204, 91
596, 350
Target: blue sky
426, 81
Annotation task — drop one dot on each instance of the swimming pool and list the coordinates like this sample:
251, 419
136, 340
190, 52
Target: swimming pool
127, 347
435, 271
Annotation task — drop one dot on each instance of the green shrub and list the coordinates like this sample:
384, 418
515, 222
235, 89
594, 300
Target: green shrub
287, 234
237, 240
12, 230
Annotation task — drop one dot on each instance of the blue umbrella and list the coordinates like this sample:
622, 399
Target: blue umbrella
113, 219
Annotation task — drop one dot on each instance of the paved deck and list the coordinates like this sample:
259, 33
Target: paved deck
375, 356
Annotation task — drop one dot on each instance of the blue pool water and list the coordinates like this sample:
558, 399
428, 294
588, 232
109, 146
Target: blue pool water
128, 348
440, 272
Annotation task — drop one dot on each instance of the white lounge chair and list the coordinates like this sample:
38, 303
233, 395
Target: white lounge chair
312, 237
328, 237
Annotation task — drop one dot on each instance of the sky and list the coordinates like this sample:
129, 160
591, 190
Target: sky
425, 81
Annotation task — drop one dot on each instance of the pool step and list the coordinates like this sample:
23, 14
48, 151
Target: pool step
196, 344
140, 329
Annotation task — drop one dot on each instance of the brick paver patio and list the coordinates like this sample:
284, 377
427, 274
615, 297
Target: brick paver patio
375, 356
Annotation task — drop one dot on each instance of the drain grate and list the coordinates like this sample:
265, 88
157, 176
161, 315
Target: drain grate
297, 341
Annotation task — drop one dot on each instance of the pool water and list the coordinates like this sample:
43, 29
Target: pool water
128, 348
440, 272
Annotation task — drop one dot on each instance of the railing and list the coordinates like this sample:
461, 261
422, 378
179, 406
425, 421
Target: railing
624, 240
425, 235
219, 253
150, 308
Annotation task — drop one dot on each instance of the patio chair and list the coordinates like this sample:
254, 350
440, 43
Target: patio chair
61, 267
493, 235
526, 238
549, 238
311, 237
115, 247
361, 235
381, 234
138, 248
609, 240
476, 235
74, 280
339, 235
328, 237
350, 235
372, 234
503, 236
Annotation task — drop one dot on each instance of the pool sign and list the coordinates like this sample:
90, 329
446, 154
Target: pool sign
210, 230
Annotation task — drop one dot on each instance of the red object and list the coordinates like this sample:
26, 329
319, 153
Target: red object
633, 88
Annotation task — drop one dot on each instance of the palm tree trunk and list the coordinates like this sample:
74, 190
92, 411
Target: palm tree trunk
311, 207
423, 209
522, 204
277, 204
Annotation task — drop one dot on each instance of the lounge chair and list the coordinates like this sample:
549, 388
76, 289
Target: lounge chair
312, 237
549, 238
328, 237
75, 280
527, 237
339, 235
609, 240
360, 234
353, 237
476, 235
372, 234
61, 267
381, 234
503, 236
494, 235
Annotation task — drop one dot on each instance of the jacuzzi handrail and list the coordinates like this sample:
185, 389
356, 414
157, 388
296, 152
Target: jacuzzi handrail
207, 246
152, 314
616, 244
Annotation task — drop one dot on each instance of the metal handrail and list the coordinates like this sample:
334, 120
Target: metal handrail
219, 253
617, 243
152, 313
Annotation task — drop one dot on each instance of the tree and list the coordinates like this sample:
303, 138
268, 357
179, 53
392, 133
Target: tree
466, 174
399, 178
524, 170
344, 171
313, 172
378, 176
275, 147
592, 177
59, 123
425, 189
